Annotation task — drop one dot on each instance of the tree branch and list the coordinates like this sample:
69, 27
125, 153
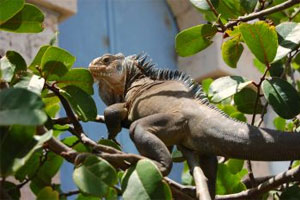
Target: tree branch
279, 7
201, 181
274, 182
217, 15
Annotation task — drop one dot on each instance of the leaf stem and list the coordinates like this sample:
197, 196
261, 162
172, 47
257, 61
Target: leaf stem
217, 15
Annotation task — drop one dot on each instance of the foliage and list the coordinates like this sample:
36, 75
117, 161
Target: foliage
31, 95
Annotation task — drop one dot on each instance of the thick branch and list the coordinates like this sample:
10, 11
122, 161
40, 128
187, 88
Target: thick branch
201, 181
284, 177
279, 7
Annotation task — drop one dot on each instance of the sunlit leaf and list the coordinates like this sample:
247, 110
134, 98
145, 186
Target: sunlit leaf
94, 176
226, 86
144, 181
28, 20
55, 62
47, 193
231, 51
288, 38
79, 77
261, 38
194, 39
9, 8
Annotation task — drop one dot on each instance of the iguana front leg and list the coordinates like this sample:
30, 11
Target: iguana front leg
114, 115
152, 135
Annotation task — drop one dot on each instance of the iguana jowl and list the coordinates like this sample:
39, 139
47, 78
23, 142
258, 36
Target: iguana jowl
168, 107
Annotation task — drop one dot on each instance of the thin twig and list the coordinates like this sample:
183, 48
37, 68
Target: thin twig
70, 193
294, 14
217, 15
279, 7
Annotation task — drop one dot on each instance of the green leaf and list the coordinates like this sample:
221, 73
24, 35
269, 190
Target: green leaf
32, 83
79, 147
51, 105
282, 96
259, 66
47, 193
11, 63
28, 20
82, 103
276, 69
245, 101
9, 190
144, 181
36, 63
248, 5
177, 156
288, 38
9, 8
235, 165
228, 183
227, 86
12, 158
79, 77
86, 197
205, 84
291, 193
110, 143
20, 106
261, 39
239, 116
231, 51
94, 176
203, 5
55, 62
186, 177
46, 172
279, 123
194, 39
30, 166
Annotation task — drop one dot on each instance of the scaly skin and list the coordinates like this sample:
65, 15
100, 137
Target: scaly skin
165, 113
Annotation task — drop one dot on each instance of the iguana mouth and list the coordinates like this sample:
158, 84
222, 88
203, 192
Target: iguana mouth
96, 72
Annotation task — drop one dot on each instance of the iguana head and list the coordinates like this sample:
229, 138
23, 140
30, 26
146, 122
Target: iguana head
110, 71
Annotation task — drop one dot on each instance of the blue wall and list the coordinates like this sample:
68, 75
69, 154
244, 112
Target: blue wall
127, 26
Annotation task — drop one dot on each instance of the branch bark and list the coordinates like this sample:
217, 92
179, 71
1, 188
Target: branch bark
279, 7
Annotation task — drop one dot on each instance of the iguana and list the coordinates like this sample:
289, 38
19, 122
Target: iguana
169, 108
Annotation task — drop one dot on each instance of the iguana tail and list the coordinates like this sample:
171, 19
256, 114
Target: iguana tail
229, 138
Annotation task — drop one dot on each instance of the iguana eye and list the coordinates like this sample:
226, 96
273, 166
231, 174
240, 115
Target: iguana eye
119, 68
106, 60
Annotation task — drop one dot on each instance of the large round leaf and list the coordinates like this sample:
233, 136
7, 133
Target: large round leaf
20, 106
94, 176
28, 20
194, 39
226, 86
144, 181
38, 59
288, 38
245, 101
55, 62
231, 51
79, 77
9, 8
282, 96
82, 103
261, 38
